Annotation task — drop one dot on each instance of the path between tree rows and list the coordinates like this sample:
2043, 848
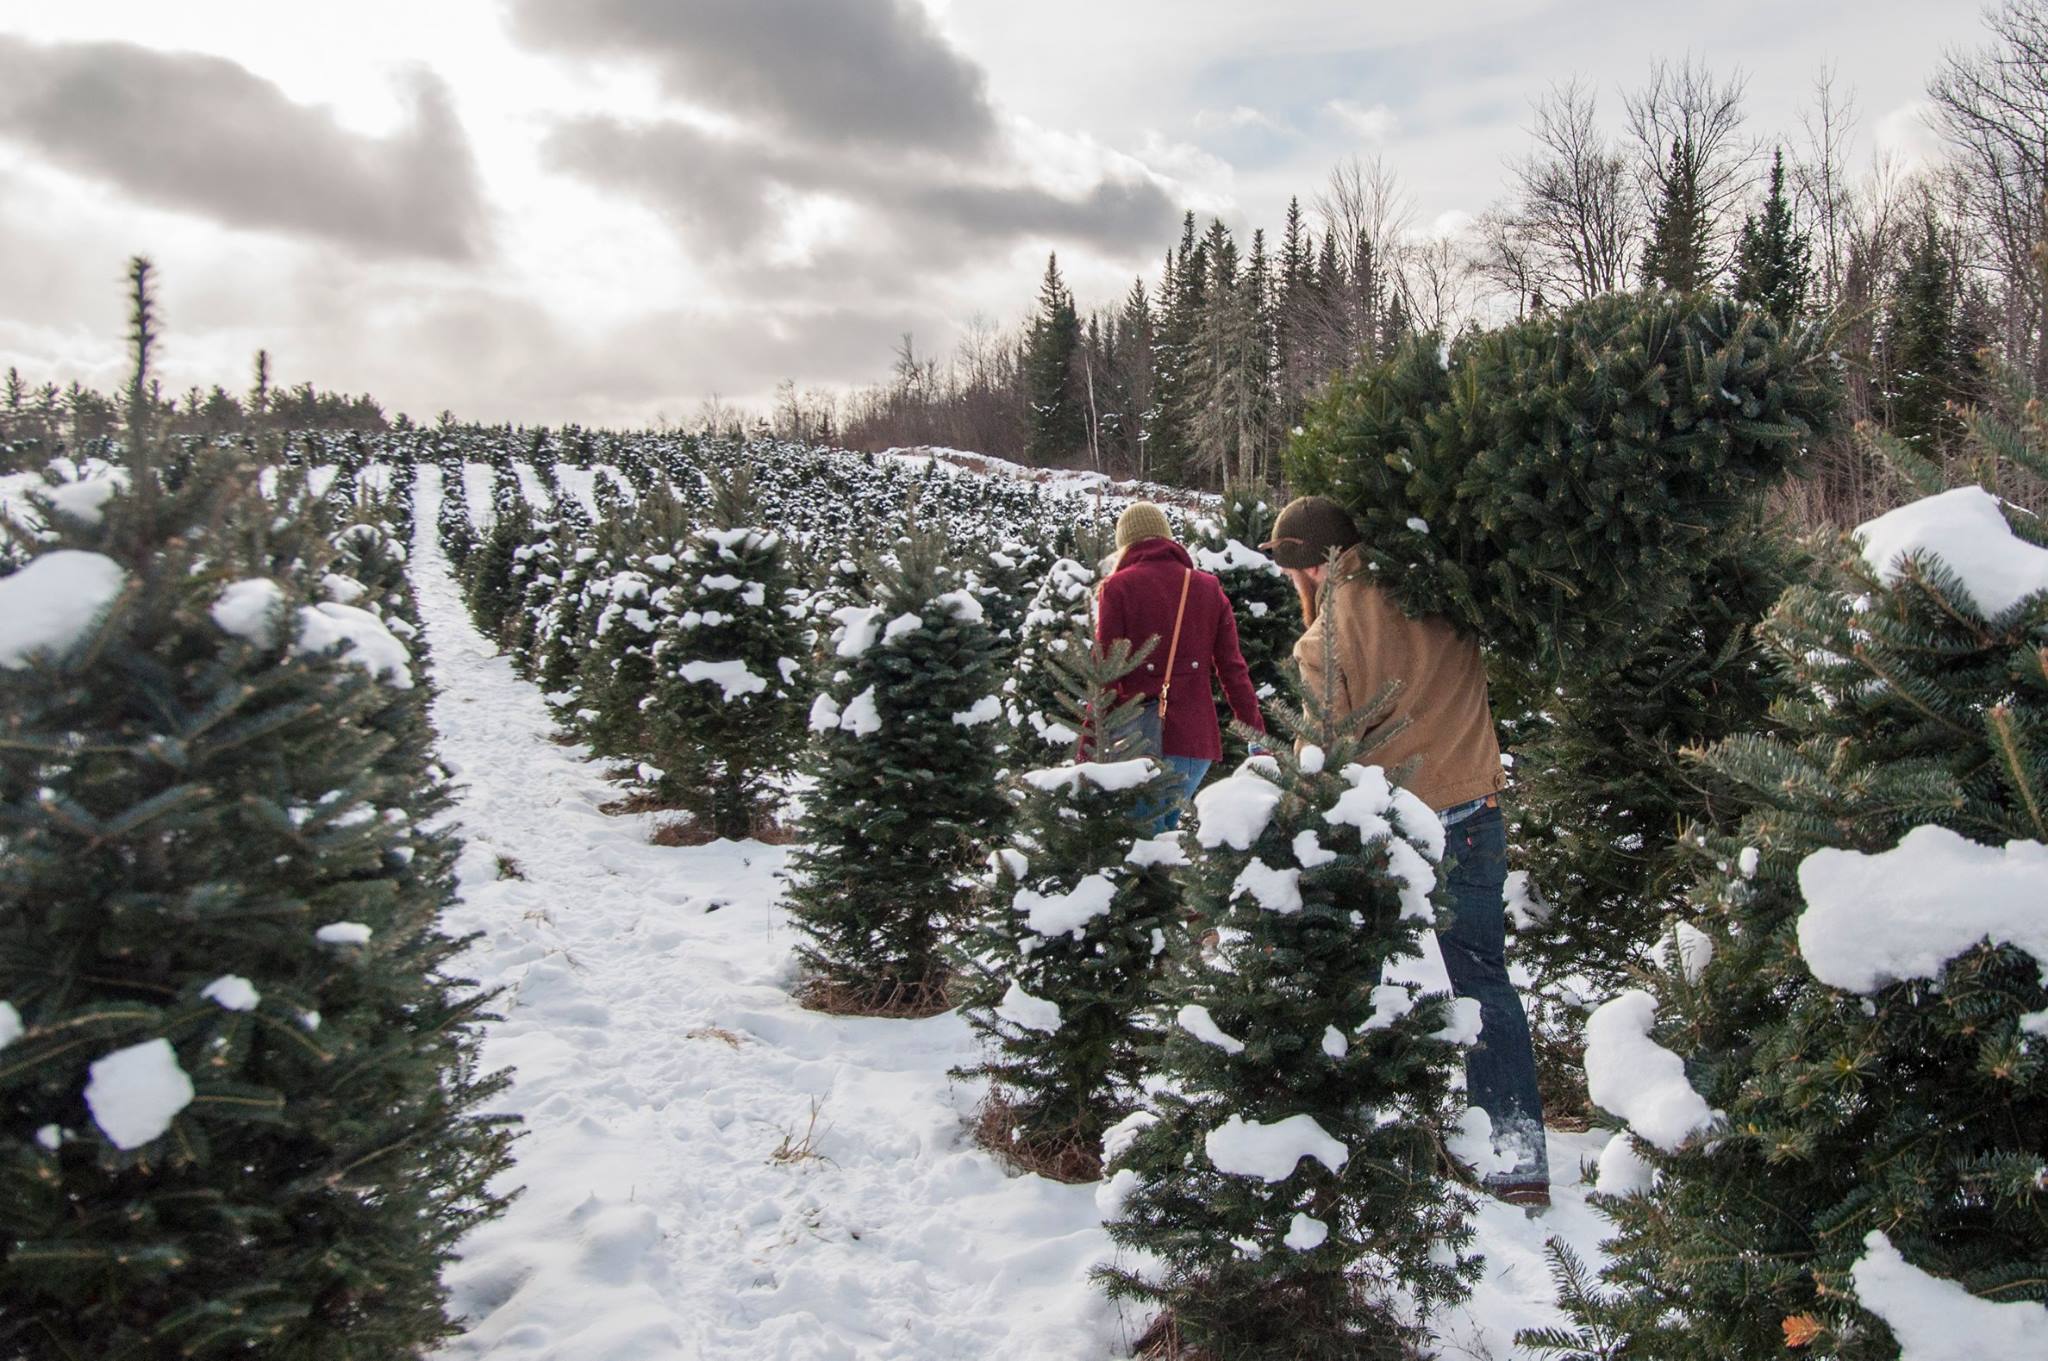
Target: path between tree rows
661, 1065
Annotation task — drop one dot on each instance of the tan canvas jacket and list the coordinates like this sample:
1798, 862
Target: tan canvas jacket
1442, 694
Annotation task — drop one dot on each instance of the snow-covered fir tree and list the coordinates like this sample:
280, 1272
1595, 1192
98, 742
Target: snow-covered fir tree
904, 801
1063, 962
726, 721
1834, 1089
238, 1108
1060, 623
1288, 1177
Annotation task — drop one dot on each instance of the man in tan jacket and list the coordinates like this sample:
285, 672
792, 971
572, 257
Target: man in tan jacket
1449, 738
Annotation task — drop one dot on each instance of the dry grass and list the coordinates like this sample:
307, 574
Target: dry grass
1063, 1157
563, 739
900, 1001
683, 831
508, 868
799, 1148
770, 831
712, 1032
638, 803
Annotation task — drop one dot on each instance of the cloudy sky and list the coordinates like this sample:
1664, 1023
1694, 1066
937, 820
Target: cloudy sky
603, 210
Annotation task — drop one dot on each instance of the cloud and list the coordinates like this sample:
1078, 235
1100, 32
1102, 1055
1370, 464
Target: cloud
1242, 116
873, 73
1374, 124
739, 198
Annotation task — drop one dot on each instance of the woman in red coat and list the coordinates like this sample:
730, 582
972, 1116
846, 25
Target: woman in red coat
1153, 586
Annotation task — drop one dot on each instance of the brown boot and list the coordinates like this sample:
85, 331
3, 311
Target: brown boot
1529, 1195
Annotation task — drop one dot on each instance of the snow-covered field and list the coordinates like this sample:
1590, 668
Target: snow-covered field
712, 1171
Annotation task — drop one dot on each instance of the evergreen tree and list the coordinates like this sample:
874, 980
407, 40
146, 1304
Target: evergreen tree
1847, 1026
904, 758
1134, 373
1061, 966
726, 722
1059, 414
1287, 1176
238, 1108
1679, 253
1930, 360
615, 676
1773, 259
1268, 613
1560, 484
1060, 623
1182, 298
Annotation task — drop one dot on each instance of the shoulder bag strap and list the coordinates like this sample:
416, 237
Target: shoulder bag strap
1173, 648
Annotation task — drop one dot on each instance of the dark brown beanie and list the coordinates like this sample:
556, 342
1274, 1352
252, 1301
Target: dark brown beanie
1309, 529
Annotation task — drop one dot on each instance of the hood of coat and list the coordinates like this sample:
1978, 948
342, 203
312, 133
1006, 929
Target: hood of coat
1154, 550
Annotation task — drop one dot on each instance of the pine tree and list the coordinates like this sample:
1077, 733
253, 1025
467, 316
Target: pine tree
1773, 258
238, 1103
1058, 412
1287, 1175
726, 722
1268, 613
1929, 349
1061, 966
1678, 255
1828, 1096
1561, 484
903, 755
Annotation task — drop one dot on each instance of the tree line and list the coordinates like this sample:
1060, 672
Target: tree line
1928, 275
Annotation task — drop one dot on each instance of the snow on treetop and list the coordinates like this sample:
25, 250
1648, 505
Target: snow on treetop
51, 604
248, 609
727, 541
1966, 531
1275, 890
1121, 1135
987, 709
1876, 919
899, 626
1021, 1009
963, 606
1156, 850
1114, 777
232, 992
1938, 1320
1234, 556
1638, 1079
1234, 811
1249, 1148
1053, 914
1376, 807
734, 678
364, 640
135, 1093
857, 629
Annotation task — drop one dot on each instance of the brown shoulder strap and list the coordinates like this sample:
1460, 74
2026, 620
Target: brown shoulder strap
1173, 648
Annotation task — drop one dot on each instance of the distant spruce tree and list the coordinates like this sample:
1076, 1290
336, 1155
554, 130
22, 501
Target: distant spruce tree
1844, 1078
1929, 348
1773, 258
905, 801
239, 1096
1678, 256
1287, 1173
1062, 964
1057, 415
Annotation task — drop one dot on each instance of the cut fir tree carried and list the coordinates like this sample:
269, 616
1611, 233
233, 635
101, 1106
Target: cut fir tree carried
1288, 1174
1063, 962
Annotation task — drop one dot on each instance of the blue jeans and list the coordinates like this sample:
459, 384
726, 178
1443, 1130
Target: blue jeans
1186, 770
1500, 1071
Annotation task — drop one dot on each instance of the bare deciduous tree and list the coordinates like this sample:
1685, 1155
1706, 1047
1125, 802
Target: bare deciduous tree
1575, 208
1687, 127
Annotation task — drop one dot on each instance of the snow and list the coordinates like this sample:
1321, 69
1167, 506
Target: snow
1120, 1136
1526, 908
1053, 914
1234, 811
135, 1093
734, 678
1461, 1022
343, 933
233, 992
1418, 524
1115, 777
861, 716
1249, 1148
11, 1028
1275, 890
1389, 1003
987, 709
1966, 531
51, 604
362, 638
900, 626
1694, 950
1623, 1171
1198, 1023
346, 590
1900, 914
1638, 1079
1471, 1143
1309, 849
1938, 1320
1334, 1043
1157, 850
962, 606
85, 500
825, 713
1020, 1008
1305, 1233
857, 629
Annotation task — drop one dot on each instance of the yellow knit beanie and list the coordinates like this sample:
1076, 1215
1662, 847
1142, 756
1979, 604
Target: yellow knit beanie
1141, 520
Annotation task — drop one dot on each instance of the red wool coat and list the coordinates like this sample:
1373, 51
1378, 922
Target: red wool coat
1138, 601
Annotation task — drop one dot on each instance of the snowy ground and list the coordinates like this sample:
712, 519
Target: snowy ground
661, 1066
